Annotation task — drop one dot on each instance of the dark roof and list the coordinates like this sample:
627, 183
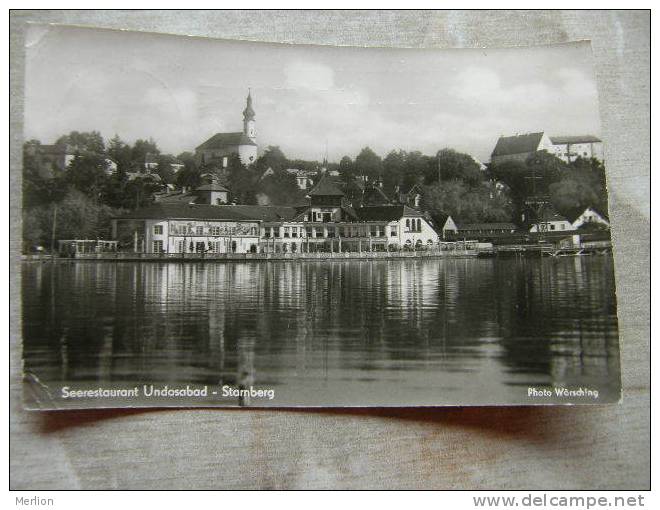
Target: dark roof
325, 187
176, 196
222, 140
486, 226
181, 211
211, 187
574, 139
549, 214
517, 144
385, 212
374, 195
577, 213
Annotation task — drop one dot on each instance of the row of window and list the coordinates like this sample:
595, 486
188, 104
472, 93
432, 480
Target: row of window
200, 230
412, 225
330, 231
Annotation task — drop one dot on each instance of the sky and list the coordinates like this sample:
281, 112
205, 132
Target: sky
182, 90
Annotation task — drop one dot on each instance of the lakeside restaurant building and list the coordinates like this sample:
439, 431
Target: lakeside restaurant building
326, 224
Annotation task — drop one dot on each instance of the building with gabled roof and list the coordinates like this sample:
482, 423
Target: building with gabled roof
519, 147
569, 148
566, 148
217, 150
325, 224
454, 230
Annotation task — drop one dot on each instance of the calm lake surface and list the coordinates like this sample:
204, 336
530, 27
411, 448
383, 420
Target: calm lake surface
397, 332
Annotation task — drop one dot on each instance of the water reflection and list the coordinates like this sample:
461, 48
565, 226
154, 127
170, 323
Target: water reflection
342, 332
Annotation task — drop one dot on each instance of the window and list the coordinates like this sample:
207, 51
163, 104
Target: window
200, 231
215, 231
181, 246
373, 231
407, 224
276, 231
327, 217
319, 232
286, 232
294, 231
310, 232
158, 230
331, 231
158, 246
254, 231
392, 231
267, 232
552, 227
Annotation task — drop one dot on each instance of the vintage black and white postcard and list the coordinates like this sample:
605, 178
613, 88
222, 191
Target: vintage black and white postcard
224, 223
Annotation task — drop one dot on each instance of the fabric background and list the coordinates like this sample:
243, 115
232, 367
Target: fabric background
463, 448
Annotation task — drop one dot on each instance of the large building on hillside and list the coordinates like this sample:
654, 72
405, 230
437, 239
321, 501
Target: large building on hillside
566, 148
217, 150
325, 224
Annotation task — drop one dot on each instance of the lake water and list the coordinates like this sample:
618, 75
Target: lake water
391, 332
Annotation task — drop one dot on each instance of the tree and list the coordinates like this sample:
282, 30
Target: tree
83, 142
535, 176
451, 164
346, 169
120, 153
42, 183
281, 189
164, 169
241, 181
190, 175
78, 217
368, 163
464, 203
274, 158
87, 172
582, 185
140, 150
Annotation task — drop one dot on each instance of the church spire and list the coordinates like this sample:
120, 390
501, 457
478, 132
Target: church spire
249, 124
248, 113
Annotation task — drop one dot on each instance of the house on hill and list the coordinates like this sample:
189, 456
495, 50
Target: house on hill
566, 148
220, 147
519, 147
569, 148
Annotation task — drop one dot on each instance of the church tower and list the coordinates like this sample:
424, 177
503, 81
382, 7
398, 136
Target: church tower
249, 127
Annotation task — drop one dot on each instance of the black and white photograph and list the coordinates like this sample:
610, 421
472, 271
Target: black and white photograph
224, 223
337, 249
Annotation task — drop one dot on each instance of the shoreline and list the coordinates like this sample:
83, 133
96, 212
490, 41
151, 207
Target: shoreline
504, 251
249, 257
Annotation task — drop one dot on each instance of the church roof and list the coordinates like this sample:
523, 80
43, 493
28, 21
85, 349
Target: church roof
326, 188
517, 144
223, 140
248, 113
